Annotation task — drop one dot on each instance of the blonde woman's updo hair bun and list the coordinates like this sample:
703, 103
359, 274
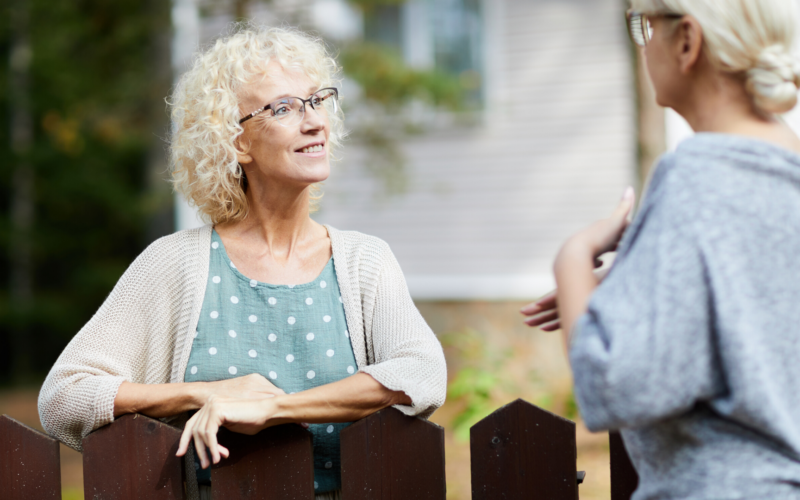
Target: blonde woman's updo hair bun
751, 38
774, 80
205, 112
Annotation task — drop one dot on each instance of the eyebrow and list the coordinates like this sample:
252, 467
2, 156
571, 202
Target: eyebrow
284, 96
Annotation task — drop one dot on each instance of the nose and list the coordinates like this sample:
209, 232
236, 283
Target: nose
312, 120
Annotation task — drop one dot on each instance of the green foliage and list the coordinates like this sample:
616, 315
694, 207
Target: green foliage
91, 86
476, 383
387, 80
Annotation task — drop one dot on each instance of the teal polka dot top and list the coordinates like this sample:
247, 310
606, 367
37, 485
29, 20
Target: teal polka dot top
294, 335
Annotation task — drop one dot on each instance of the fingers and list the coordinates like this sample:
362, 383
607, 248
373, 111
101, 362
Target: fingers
542, 319
624, 207
543, 304
186, 436
551, 327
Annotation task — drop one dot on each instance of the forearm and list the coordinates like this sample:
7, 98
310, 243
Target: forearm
159, 400
347, 400
576, 281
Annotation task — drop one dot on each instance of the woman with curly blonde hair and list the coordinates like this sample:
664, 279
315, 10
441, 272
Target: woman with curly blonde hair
263, 316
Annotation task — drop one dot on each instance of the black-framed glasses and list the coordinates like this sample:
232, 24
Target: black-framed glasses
291, 110
641, 29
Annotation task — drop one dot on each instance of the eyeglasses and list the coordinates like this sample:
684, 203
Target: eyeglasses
291, 110
641, 29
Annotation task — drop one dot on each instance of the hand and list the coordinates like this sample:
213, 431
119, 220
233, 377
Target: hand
544, 312
604, 235
247, 387
245, 416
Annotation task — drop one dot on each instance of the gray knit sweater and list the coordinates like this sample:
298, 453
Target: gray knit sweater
691, 345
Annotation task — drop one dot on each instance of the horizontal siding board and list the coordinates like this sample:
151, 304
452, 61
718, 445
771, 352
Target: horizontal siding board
499, 198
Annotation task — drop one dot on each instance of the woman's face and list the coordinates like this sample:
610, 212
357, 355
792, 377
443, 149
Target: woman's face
276, 151
662, 63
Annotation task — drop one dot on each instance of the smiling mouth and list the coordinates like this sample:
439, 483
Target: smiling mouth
311, 149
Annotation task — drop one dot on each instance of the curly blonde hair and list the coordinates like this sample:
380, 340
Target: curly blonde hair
205, 113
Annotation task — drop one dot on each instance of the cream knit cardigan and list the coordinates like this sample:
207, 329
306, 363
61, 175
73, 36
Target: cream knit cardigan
144, 330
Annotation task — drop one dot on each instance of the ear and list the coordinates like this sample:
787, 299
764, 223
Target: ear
242, 154
689, 41
244, 158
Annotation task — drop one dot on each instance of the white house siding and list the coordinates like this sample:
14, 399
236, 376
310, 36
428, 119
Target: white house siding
488, 206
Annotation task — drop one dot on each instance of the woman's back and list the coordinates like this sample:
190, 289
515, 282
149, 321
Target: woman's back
691, 344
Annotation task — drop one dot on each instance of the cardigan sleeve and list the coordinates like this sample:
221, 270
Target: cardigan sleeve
130, 338
407, 355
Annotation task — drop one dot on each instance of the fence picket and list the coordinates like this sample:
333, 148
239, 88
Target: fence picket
624, 478
133, 458
522, 451
275, 464
389, 455
30, 467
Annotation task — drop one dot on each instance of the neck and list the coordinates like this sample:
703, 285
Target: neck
721, 104
278, 219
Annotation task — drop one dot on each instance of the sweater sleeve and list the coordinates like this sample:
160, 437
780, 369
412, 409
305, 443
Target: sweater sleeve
130, 338
645, 350
408, 356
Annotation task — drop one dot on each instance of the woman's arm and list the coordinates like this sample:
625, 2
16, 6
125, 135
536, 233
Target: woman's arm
165, 400
347, 400
575, 263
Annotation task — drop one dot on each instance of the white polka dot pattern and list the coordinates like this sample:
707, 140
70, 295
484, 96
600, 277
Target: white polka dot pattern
252, 353
215, 245
272, 337
232, 370
322, 284
351, 370
273, 375
253, 283
309, 301
216, 279
291, 320
194, 370
311, 374
289, 358
162, 291
212, 351
310, 336
232, 334
329, 353
272, 301
235, 299
214, 315
326, 319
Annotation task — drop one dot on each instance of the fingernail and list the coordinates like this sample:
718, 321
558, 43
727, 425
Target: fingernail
628, 194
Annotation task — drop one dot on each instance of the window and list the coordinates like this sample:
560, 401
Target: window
441, 34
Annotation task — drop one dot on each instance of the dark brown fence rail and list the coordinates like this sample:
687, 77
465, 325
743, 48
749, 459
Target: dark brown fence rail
275, 464
624, 478
30, 466
390, 456
133, 458
519, 451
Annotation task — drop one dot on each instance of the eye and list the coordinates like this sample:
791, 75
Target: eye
282, 110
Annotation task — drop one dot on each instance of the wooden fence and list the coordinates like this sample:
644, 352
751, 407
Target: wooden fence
518, 452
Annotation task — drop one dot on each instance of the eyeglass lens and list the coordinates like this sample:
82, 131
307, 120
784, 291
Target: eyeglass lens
640, 28
290, 110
